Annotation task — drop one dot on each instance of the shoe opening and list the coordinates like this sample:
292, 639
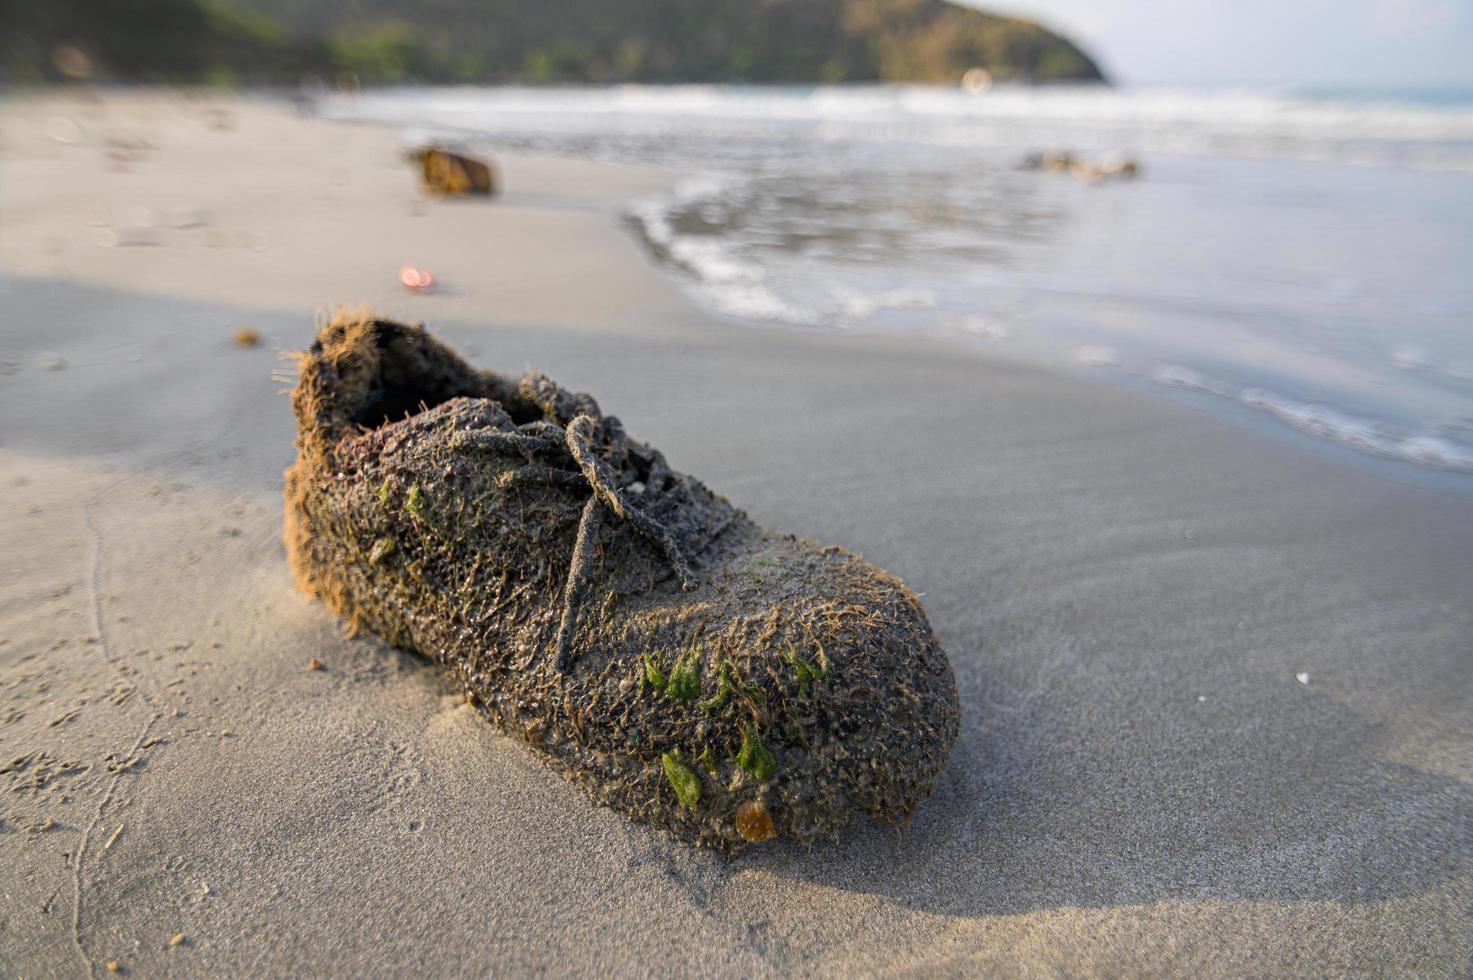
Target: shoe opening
414, 373
388, 371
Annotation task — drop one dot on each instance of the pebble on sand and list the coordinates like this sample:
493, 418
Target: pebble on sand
176, 939
417, 280
1302, 677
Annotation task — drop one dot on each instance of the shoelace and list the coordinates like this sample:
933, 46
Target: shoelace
579, 435
591, 440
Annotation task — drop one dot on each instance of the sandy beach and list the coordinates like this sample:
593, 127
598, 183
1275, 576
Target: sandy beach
1217, 692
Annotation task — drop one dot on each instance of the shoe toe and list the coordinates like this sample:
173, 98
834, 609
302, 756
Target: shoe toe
862, 705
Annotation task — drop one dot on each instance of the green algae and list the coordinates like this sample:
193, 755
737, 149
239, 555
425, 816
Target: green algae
755, 757
729, 685
682, 779
382, 548
708, 760
722, 697
653, 675
806, 671
685, 679
415, 502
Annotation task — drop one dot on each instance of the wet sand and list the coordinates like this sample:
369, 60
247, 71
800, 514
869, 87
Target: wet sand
1217, 694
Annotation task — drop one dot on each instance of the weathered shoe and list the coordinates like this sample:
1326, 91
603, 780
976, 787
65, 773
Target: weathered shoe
678, 662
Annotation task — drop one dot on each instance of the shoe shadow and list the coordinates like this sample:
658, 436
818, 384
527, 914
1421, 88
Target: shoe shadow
1287, 798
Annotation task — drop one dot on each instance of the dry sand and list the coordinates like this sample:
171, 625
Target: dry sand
1127, 591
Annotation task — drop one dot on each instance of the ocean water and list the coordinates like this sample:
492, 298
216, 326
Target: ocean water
1302, 264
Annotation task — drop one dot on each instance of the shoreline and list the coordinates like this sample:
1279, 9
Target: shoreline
605, 187
1128, 593
1282, 341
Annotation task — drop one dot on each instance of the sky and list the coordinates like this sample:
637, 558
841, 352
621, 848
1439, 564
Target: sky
1373, 44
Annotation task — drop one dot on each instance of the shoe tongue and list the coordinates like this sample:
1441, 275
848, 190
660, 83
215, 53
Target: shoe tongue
557, 403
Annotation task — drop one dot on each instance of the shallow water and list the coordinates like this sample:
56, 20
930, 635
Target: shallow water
1303, 264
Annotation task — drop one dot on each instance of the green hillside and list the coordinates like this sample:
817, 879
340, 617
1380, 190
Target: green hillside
538, 40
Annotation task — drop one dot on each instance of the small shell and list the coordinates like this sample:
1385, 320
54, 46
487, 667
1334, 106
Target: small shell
754, 822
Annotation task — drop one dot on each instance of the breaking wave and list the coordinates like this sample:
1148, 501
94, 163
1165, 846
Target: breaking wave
1316, 250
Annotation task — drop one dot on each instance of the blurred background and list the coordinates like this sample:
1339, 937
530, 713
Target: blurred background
1263, 208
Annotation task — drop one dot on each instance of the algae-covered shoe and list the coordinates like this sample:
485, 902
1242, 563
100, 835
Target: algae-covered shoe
681, 664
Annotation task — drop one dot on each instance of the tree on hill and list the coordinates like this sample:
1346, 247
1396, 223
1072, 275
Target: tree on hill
795, 41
